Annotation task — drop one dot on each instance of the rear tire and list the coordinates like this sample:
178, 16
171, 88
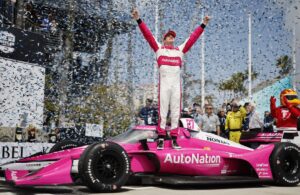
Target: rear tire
104, 167
285, 164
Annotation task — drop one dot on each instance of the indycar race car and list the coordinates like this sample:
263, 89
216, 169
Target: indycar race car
204, 158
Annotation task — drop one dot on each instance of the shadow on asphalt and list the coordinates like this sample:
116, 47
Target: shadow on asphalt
212, 186
79, 189
65, 189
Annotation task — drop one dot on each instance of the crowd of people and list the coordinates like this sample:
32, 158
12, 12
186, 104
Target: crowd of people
228, 121
34, 21
34, 18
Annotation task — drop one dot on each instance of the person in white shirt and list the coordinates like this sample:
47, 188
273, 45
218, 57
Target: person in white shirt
210, 122
255, 122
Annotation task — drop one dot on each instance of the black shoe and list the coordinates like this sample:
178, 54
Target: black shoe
160, 144
175, 144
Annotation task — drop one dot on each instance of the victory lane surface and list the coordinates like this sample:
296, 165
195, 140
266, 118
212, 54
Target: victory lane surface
228, 189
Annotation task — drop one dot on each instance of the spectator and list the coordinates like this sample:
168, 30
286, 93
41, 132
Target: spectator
228, 108
186, 113
19, 134
53, 136
154, 113
247, 117
145, 113
222, 119
53, 24
45, 26
31, 134
196, 105
191, 111
198, 115
255, 123
268, 122
210, 121
224, 106
234, 122
30, 17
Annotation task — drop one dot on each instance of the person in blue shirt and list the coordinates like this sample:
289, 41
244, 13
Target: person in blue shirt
146, 112
268, 122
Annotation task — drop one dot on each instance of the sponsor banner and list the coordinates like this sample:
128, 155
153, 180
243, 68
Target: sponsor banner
10, 151
22, 94
22, 45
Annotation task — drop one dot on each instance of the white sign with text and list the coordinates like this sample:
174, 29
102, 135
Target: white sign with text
10, 151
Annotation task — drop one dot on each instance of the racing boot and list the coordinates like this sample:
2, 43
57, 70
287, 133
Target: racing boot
160, 143
175, 144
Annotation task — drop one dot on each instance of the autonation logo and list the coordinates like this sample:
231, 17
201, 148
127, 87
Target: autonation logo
7, 42
192, 159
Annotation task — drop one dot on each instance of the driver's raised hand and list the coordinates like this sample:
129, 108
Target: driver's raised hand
206, 20
135, 14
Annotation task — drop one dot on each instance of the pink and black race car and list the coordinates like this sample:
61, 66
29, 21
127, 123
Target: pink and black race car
204, 158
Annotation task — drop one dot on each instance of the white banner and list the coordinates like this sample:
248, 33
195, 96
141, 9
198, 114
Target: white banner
22, 93
93, 130
10, 151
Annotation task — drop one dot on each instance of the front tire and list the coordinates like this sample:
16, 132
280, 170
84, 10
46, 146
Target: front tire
285, 164
104, 167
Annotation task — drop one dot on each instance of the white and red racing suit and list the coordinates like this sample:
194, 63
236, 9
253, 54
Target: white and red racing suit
169, 60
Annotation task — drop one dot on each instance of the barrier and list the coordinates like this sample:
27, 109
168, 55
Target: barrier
10, 151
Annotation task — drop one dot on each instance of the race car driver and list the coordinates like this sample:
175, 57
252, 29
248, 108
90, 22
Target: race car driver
169, 60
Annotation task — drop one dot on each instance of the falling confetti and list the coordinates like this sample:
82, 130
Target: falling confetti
85, 61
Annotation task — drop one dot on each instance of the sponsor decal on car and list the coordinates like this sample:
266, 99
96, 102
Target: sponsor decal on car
294, 180
192, 159
292, 147
190, 123
211, 139
262, 170
13, 175
126, 161
90, 171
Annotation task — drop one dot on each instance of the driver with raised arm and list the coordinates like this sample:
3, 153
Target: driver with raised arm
169, 60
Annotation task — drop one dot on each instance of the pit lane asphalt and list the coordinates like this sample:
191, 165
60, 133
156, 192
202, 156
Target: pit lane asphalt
228, 189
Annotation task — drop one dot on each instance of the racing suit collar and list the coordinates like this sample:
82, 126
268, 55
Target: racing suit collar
169, 46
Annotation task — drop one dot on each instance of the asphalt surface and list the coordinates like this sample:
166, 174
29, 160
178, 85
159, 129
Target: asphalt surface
228, 189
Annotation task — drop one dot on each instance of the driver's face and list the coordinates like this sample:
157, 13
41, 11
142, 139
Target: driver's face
169, 40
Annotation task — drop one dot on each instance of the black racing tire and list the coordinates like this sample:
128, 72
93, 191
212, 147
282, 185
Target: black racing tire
65, 144
285, 164
104, 167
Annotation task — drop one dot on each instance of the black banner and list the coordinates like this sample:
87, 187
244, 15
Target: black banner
22, 45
